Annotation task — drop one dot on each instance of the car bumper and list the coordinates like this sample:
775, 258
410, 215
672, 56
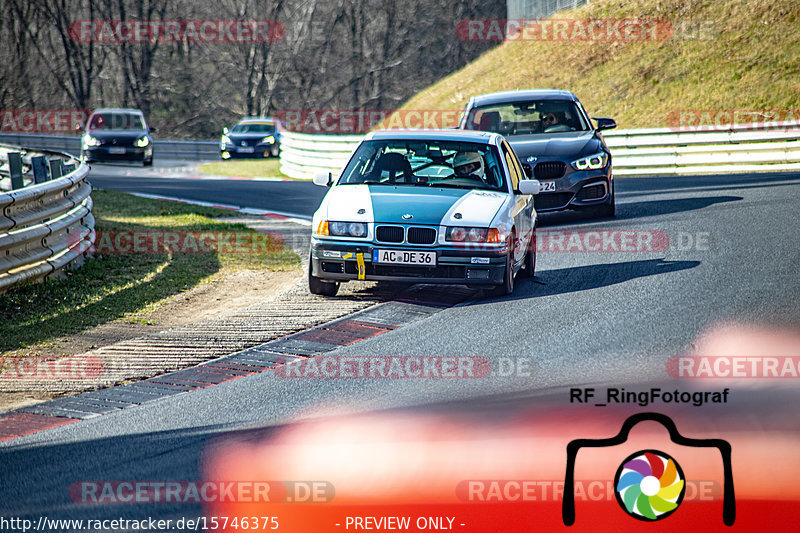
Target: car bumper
576, 190
105, 153
330, 261
259, 151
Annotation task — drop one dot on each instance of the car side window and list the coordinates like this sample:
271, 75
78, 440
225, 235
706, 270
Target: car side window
513, 166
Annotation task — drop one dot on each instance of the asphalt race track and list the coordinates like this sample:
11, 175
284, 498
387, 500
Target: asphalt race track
588, 317
296, 197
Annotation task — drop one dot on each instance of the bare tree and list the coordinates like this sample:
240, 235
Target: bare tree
335, 54
73, 65
136, 59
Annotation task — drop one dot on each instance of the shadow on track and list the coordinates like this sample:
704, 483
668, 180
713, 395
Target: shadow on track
633, 210
576, 279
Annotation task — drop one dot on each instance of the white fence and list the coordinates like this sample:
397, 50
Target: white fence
44, 226
737, 148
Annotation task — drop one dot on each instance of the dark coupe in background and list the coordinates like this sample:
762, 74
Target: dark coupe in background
252, 137
556, 142
116, 135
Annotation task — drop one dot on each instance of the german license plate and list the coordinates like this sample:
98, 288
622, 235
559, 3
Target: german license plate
547, 186
116, 150
404, 257
245, 150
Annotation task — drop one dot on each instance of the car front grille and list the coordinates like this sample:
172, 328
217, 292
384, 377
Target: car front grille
421, 235
592, 192
551, 200
549, 170
117, 142
389, 233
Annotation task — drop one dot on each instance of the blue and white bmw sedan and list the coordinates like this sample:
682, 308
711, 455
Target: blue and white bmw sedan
430, 206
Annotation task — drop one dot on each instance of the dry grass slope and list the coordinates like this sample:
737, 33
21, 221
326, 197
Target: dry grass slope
747, 58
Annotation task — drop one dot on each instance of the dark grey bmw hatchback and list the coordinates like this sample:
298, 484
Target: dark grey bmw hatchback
557, 143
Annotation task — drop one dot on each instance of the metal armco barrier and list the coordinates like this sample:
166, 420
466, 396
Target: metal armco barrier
71, 144
47, 225
719, 149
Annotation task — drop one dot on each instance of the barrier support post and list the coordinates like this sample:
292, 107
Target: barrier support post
15, 170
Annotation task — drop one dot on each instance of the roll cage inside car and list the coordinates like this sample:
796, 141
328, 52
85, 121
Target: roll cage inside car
422, 162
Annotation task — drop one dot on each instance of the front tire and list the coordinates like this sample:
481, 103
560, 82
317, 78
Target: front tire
507, 287
275, 151
529, 268
148, 163
322, 288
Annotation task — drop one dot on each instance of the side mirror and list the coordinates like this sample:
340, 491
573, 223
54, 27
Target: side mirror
529, 187
225, 130
79, 127
153, 129
604, 123
323, 179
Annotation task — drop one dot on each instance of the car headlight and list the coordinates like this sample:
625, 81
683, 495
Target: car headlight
225, 140
348, 229
591, 162
88, 140
462, 234
342, 229
268, 140
144, 141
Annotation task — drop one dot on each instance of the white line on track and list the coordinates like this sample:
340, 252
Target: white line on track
289, 217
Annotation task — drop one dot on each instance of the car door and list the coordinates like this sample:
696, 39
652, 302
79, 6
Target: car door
522, 212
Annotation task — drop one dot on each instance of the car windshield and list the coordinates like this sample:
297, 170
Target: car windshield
462, 165
116, 121
530, 117
254, 127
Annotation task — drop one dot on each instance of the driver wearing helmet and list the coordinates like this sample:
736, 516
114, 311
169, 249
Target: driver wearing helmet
468, 165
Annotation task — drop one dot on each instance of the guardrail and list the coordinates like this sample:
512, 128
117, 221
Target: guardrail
162, 148
47, 224
735, 148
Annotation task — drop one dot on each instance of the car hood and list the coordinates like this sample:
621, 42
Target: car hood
555, 145
426, 206
117, 134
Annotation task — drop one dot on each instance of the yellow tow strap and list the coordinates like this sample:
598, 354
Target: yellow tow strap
362, 270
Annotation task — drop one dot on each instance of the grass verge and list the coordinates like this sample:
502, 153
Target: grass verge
245, 168
111, 286
723, 55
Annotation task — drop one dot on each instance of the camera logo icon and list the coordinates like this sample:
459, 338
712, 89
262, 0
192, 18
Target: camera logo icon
649, 485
